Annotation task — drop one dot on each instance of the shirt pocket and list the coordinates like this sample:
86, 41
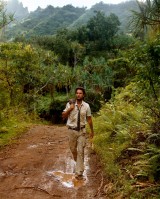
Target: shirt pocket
83, 115
73, 116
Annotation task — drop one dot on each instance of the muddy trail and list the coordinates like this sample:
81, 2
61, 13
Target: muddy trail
39, 165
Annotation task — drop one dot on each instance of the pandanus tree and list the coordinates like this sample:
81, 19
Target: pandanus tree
148, 54
95, 75
147, 17
146, 61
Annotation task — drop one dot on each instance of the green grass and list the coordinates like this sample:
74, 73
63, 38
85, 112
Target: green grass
13, 123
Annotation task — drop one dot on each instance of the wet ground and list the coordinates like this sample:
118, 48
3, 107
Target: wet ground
40, 166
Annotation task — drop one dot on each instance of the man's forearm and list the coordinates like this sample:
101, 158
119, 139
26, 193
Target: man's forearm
91, 126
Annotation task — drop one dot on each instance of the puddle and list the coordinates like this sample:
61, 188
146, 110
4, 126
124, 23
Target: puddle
66, 175
33, 146
68, 179
2, 174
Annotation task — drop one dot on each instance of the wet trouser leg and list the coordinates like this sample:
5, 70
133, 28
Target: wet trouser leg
80, 154
77, 142
73, 135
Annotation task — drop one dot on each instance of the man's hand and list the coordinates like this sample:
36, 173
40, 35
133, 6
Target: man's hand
66, 113
91, 135
71, 107
72, 101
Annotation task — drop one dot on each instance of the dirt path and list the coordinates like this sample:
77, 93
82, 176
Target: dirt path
39, 166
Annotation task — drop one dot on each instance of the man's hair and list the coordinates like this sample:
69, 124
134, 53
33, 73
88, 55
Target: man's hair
82, 89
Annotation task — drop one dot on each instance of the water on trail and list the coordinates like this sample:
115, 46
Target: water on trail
66, 176
40, 166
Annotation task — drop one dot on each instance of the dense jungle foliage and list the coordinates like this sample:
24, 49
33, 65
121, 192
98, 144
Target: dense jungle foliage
121, 75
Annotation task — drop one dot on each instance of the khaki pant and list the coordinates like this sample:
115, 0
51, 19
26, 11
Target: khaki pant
77, 142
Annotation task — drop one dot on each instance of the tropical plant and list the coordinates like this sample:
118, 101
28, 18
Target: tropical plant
101, 30
25, 71
146, 59
148, 164
147, 17
94, 75
122, 127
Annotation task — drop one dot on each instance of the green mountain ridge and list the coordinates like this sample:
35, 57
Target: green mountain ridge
47, 21
122, 10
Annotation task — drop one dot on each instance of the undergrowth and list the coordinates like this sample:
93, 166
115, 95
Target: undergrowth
13, 122
122, 129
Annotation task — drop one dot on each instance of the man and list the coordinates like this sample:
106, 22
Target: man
78, 113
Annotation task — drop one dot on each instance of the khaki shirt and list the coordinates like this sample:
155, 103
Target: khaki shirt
85, 111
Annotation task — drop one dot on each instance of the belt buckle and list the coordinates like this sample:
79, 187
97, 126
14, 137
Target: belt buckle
76, 129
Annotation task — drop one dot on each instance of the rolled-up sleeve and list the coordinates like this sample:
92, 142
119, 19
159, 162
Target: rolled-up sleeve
67, 107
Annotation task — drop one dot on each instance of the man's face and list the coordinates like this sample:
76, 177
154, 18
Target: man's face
79, 94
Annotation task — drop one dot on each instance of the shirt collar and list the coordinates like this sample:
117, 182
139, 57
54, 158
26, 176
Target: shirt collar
81, 103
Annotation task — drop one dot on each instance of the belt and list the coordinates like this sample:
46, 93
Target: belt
75, 128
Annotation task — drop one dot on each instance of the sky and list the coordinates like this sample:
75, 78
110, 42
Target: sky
33, 4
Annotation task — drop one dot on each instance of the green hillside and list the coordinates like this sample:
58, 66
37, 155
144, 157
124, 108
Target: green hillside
47, 21
122, 10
